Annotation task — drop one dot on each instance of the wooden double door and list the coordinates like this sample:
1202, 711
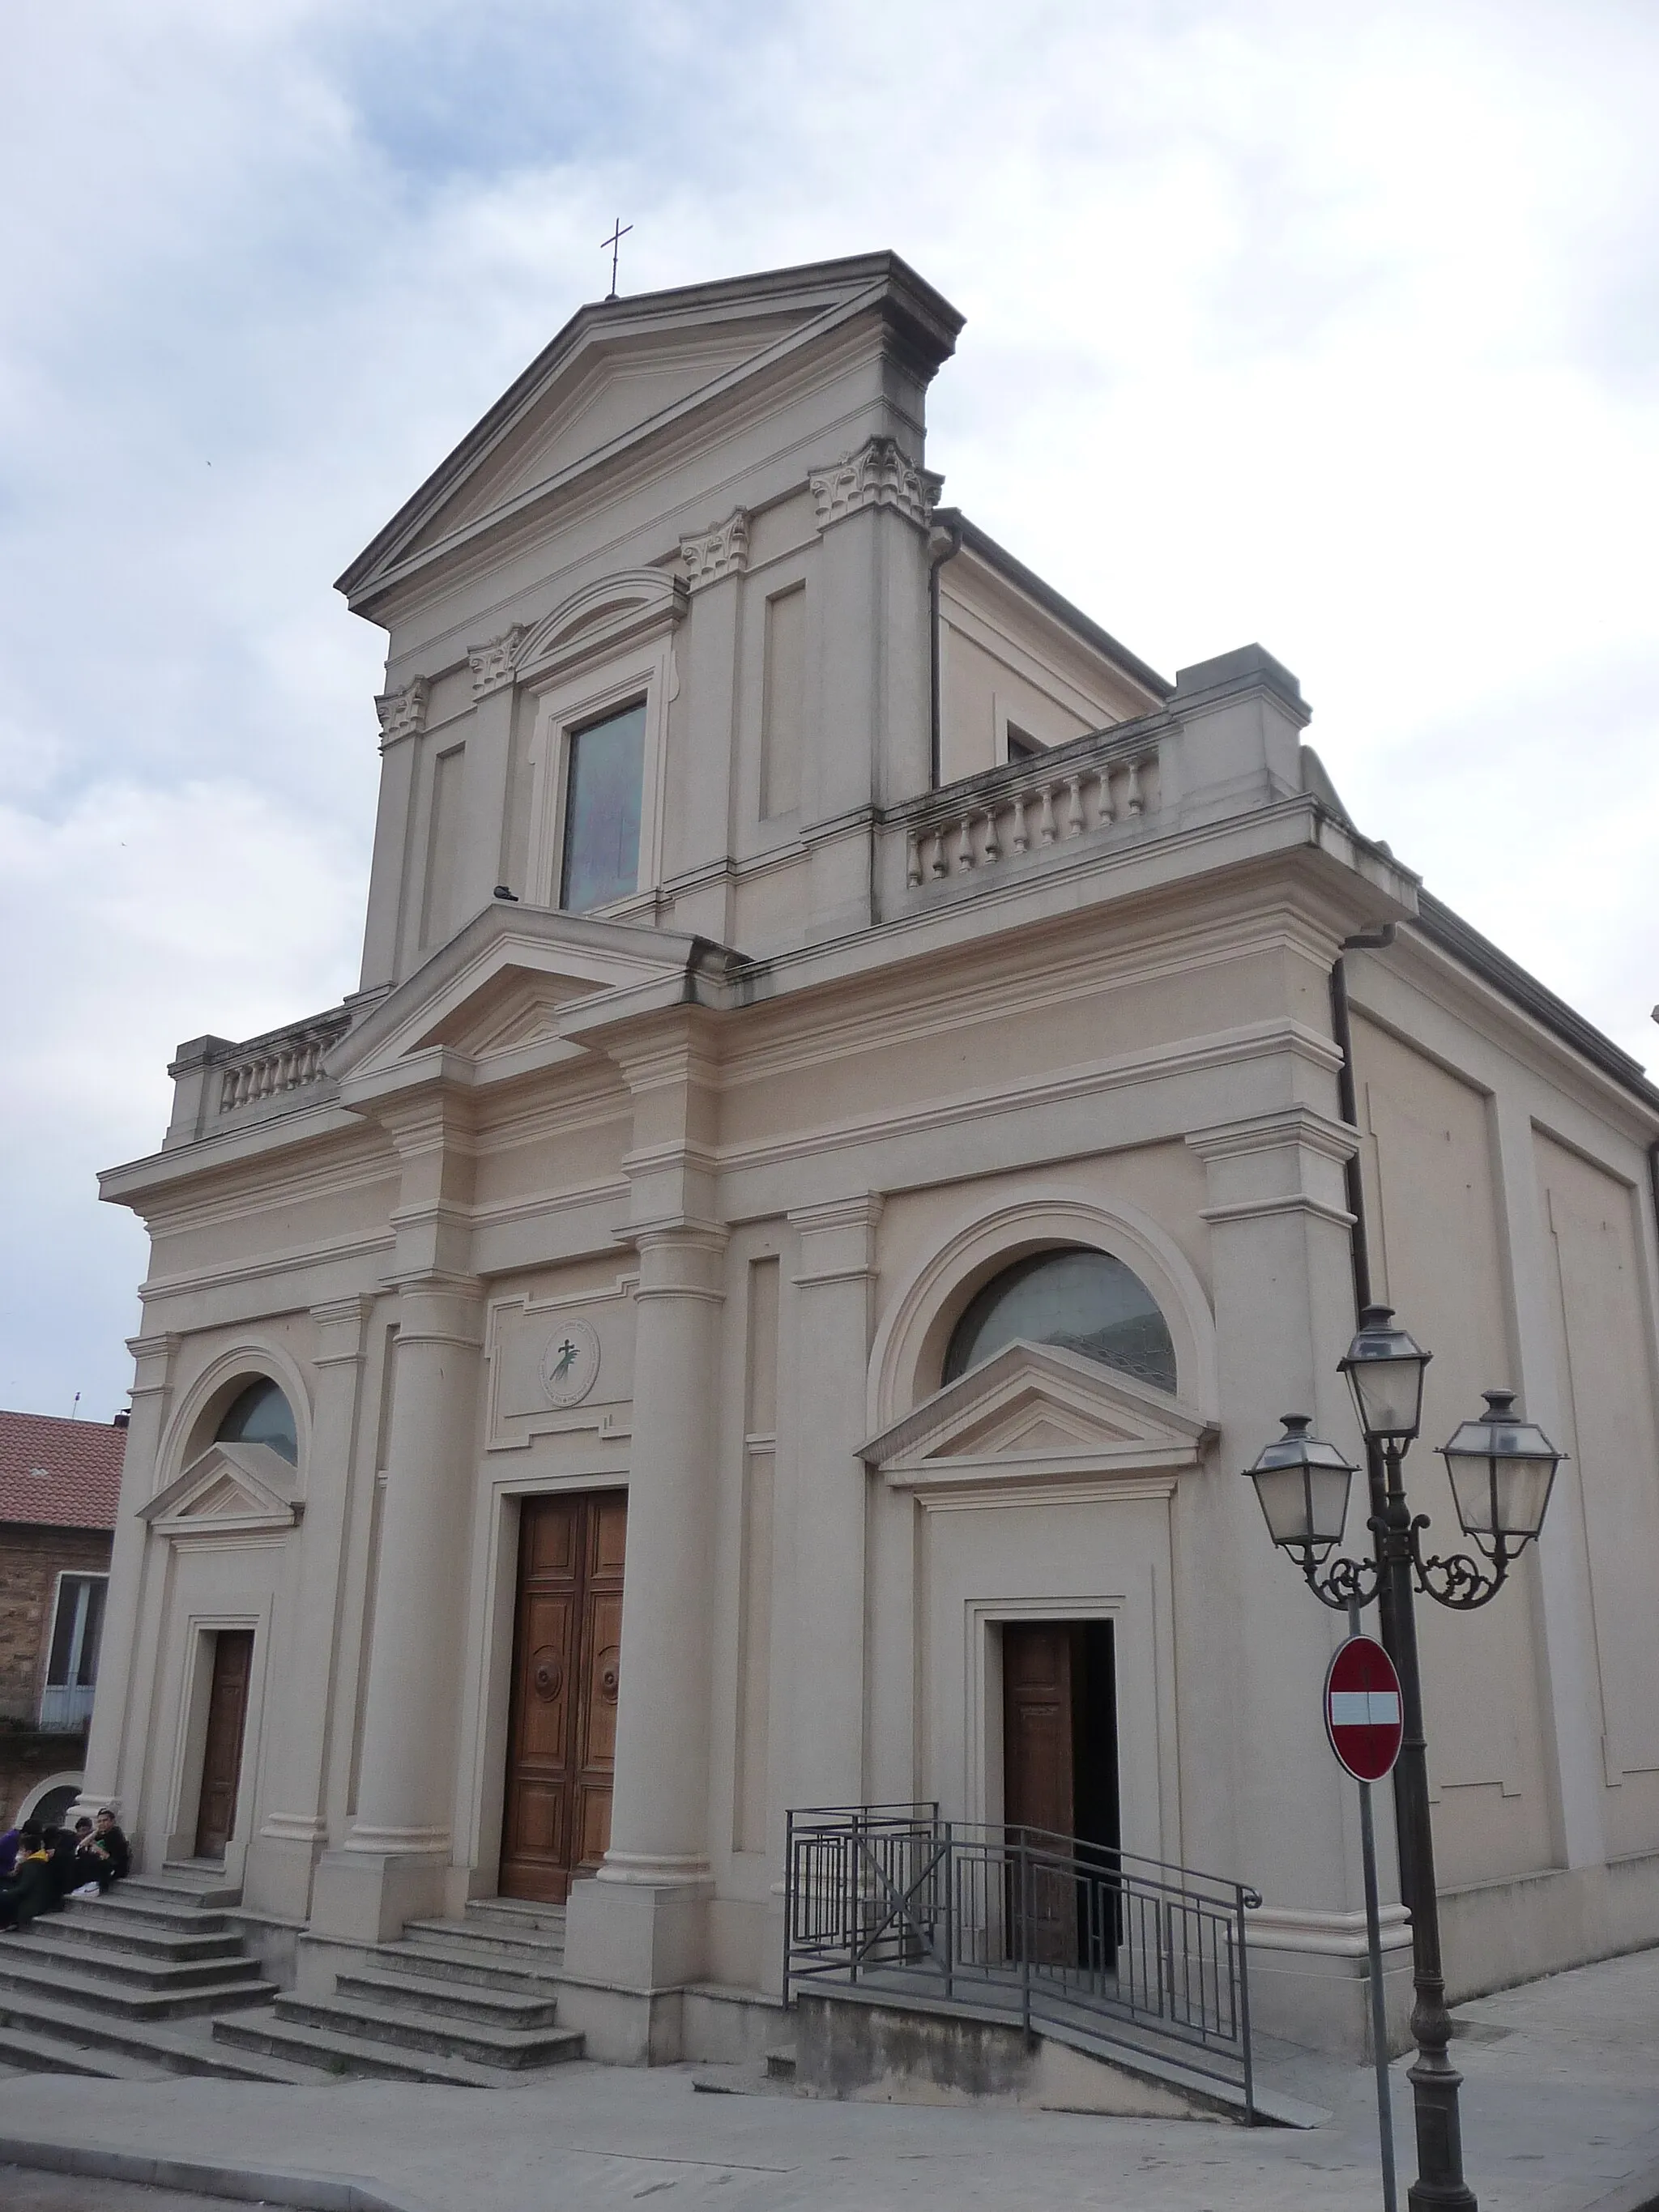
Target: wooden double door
566, 1655
1059, 1781
222, 1752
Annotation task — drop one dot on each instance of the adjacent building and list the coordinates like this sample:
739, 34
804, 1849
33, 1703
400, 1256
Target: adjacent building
60, 1484
841, 1152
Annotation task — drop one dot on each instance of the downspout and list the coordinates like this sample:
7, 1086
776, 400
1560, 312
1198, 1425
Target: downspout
943, 543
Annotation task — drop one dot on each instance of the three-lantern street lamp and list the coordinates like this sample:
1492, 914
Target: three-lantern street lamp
1501, 1469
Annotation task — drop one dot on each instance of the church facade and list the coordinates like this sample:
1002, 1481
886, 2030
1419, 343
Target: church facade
841, 1154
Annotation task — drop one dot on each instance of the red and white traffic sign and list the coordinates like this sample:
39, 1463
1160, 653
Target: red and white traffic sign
1364, 1718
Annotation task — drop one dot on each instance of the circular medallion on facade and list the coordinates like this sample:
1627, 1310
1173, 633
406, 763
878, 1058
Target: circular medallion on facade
570, 1364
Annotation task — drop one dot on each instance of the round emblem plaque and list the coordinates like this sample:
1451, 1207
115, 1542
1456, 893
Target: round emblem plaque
570, 1364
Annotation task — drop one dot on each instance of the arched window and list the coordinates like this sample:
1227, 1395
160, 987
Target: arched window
261, 1415
1082, 1300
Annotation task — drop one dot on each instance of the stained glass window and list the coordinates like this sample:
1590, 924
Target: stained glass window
604, 780
1083, 1300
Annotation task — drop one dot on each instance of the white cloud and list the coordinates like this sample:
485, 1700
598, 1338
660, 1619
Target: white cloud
1333, 328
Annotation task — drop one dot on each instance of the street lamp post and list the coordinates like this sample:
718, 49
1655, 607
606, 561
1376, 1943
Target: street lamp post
1501, 1469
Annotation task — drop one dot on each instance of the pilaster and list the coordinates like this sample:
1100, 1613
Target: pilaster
834, 1283
283, 1856
402, 717
118, 1738
479, 864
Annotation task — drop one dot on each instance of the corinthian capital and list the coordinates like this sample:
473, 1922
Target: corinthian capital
492, 663
722, 551
878, 475
402, 714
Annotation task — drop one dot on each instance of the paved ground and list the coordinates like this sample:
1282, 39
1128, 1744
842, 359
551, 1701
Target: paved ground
24, 2190
1561, 2114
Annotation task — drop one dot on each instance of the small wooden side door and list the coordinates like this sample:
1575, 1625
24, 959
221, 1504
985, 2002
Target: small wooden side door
561, 1727
1038, 1778
222, 1756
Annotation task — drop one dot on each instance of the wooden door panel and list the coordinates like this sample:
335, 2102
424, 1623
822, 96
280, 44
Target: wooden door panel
561, 1727
1038, 1790
221, 1754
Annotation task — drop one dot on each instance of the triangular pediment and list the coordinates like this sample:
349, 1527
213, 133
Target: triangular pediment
622, 372
515, 991
232, 1489
1035, 1412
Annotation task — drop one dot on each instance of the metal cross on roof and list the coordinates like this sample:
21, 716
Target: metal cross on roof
615, 243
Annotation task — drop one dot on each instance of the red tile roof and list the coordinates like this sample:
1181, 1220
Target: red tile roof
66, 1475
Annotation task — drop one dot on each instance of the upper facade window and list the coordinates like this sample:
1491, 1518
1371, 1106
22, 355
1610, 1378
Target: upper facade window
603, 790
1085, 1301
261, 1415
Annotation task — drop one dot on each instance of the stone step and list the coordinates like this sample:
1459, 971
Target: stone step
309, 2050
23, 1974
142, 1942
33, 2023
509, 2048
37, 2053
528, 1946
140, 1909
430, 1960
453, 2000
513, 1913
44, 1948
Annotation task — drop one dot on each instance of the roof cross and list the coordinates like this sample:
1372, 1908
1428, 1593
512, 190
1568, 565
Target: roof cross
615, 243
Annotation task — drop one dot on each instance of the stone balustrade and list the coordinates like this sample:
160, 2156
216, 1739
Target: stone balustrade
1097, 784
285, 1060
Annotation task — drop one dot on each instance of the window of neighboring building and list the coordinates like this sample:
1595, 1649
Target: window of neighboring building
604, 776
72, 1655
261, 1415
1082, 1300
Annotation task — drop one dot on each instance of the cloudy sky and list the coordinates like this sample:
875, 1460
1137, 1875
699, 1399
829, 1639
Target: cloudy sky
1333, 327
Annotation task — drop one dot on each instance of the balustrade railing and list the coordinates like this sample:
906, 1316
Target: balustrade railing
286, 1059
895, 1899
1078, 790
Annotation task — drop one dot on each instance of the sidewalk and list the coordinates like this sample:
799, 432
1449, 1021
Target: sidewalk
1560, 2111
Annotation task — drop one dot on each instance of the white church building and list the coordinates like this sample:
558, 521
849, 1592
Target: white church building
841, 1155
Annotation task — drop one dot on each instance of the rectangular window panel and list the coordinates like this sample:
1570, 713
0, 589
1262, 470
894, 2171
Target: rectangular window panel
785, 706
63, 1633
92, 1629
604, 782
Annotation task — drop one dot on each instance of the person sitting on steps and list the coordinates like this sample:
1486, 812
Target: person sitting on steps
31, 1890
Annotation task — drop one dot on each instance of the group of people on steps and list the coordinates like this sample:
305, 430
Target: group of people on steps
41, 1867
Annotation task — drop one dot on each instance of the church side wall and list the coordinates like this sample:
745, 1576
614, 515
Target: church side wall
1513, 1229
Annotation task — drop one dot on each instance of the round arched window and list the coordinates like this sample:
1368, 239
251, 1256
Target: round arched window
261, 1415
1082, 1300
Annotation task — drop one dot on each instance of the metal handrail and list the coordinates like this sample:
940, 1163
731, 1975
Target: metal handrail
1011, 1917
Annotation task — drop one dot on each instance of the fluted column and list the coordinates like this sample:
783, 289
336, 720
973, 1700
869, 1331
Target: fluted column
833, 1279
393, 1864
284, 1854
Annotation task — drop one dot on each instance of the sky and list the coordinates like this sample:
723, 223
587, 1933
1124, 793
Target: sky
1334, 328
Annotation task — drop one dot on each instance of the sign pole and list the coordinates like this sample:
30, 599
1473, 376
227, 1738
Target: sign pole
1379, 2007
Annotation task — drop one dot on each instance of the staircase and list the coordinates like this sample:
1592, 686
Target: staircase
472, 2002
124, 1987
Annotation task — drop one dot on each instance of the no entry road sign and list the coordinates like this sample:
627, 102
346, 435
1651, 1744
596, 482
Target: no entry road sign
1363, 1714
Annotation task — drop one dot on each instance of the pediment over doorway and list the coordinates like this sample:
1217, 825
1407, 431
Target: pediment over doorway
1036, 1412
233, 1489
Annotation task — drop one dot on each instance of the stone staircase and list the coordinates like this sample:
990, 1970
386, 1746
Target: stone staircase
472, 2002
125, 1987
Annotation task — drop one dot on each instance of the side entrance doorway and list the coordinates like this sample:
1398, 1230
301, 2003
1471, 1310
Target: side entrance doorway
1059, 1780
222, 1751
562, 1726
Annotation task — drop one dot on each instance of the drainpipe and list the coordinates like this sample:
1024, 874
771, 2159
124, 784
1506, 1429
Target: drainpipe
943, 543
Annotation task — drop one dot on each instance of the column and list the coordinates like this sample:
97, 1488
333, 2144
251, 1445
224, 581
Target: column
116, 1742
284, 1854
834, 1283
394, 1862
1270, 1806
